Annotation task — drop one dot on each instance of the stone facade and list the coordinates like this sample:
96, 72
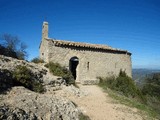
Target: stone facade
86, 61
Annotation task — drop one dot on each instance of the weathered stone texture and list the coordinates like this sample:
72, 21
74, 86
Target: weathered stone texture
12, 113
44, 50
27, 104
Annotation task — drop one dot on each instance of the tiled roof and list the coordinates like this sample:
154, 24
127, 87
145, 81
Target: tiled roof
85, 45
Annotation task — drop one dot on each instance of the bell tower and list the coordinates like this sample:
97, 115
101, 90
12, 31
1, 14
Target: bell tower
45, 30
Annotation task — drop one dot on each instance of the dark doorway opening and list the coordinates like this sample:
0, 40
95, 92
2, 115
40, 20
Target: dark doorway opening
73, 63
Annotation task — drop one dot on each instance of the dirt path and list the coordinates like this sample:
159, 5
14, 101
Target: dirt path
99, 106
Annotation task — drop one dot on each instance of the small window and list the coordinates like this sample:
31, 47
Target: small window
87, 65
42, 53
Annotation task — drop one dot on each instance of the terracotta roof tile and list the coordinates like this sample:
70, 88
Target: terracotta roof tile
85, 45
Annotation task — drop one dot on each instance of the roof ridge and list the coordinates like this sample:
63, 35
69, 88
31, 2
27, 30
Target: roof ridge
85, 45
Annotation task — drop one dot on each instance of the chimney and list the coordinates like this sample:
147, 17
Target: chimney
45, 30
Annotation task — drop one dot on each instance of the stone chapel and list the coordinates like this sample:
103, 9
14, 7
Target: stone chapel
85, 61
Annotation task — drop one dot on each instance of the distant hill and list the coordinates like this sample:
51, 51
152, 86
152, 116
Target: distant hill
139, 75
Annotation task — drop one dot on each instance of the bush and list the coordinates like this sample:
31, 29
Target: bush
151, 89
23, 76
6, 81
12, 47
122, 84
7, 52
152, 86
57, 70
83, 117
37, 60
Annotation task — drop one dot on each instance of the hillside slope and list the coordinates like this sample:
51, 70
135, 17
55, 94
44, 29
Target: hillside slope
59, 102
139, 75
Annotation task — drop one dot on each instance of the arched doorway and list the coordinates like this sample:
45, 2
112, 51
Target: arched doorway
73, 63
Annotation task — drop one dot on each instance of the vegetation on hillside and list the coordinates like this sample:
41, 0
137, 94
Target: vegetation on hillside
152, 86
6, 80
58, 70
83, 117
11, 46
37, 60
140, 75
21, 76
146, 98
122, 84
151, 90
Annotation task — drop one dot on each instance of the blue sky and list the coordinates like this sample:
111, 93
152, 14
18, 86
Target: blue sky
133, 25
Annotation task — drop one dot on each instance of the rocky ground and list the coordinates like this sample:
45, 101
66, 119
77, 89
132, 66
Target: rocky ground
43, 106
41, 72
66, 103
21, 103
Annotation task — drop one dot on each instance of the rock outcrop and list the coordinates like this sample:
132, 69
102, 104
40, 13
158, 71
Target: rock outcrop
40, 73
21, 103
44, 106
10, 64
12, 113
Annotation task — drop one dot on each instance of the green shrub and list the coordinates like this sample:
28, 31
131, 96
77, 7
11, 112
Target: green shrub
57, 70
23, 76
122, 74
7, 52
151, 89
125, 85
83, 117
37, 60
122, 84
6, 81
37, 87
152, 86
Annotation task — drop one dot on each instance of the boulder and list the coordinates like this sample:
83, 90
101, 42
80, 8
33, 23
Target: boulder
45, 106
12, 113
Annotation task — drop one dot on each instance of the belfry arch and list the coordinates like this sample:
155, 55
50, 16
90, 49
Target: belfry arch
73, 63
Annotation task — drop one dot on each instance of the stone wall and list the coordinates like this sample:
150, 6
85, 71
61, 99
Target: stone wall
92, 64
44, 51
